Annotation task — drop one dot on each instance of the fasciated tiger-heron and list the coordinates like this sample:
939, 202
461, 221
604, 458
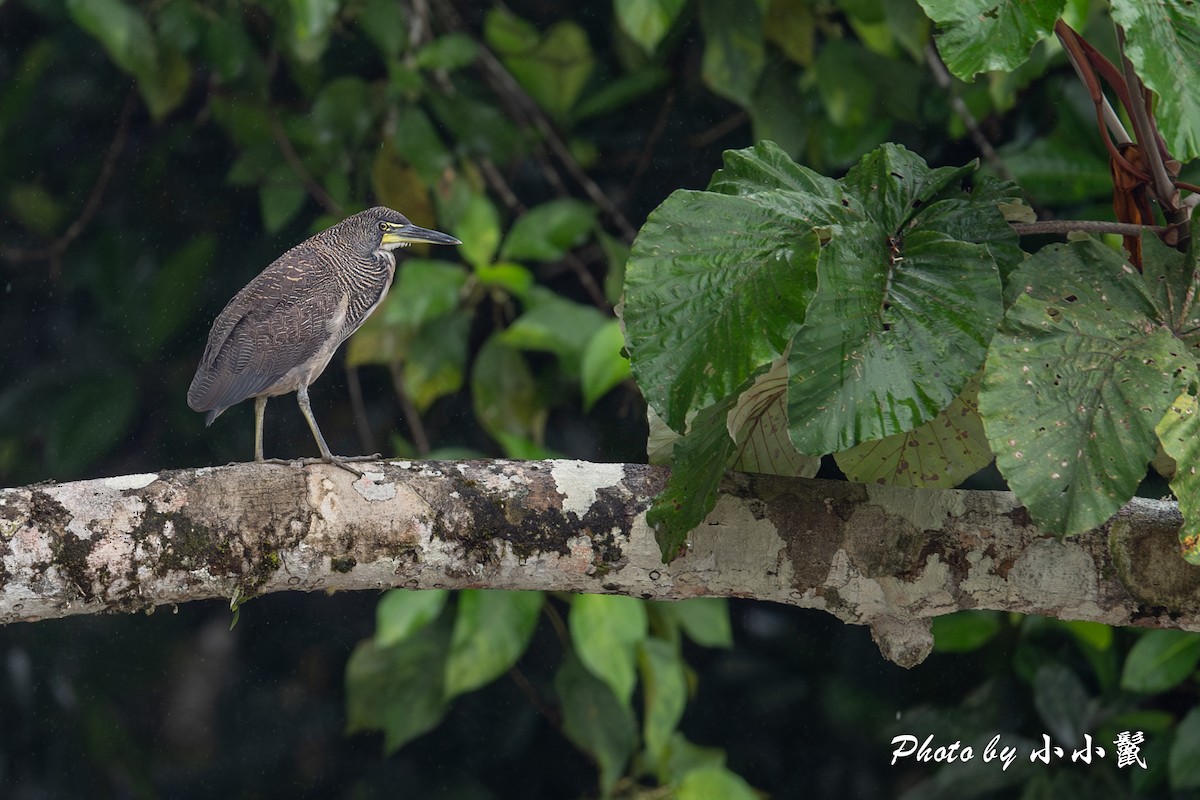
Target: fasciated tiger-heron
278, 334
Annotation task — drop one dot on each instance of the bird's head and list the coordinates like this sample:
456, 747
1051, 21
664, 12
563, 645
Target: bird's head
386, 229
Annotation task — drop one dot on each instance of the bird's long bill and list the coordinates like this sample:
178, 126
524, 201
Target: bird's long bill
409, 234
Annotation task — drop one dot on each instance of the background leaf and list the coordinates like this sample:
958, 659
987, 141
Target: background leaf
1160, 660
605, 630
595, 720
491, 631
403, 612
981, 35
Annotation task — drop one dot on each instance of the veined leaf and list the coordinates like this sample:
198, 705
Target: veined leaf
759, 427
714, 286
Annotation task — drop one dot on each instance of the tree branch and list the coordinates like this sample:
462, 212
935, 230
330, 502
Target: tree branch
887, 557
1063, 226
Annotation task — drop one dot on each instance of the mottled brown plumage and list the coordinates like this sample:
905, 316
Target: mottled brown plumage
278, 334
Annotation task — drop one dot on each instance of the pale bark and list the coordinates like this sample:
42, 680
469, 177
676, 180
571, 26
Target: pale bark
885, 557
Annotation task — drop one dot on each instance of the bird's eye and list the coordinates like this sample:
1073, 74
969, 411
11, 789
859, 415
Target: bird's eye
383, 226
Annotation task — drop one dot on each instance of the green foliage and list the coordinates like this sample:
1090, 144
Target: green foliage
426, 653
491, 631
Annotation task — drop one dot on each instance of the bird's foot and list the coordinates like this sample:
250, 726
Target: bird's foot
337, 461
374, 457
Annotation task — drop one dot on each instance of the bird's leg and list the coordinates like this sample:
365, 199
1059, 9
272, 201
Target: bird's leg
326, 456
260, 410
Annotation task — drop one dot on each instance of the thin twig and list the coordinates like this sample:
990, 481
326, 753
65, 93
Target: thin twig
647, 155
585, 277
314, 188
942, 77
500, 74
1061, 226
411, 416
500, 186
712, 134
54, 251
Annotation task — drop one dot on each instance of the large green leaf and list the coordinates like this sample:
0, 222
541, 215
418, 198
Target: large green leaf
1081, 371
1179, 433
491, 631
907, 301
981, 35
715, 286
1162, 39
606, 630
1160, 661
595, 720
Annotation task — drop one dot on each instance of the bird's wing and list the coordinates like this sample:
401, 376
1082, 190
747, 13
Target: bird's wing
276, 323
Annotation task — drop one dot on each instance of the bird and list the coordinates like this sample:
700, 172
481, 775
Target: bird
280, 331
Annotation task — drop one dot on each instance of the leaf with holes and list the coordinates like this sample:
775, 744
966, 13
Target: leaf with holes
1083, 368
941, 453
